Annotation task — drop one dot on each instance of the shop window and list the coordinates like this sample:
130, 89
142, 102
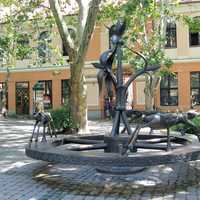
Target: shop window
195, 88
65, 91
171, 36
22, 98
44, 46
169, 91
45, 95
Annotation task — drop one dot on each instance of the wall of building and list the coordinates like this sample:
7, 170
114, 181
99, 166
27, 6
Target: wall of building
186, 59
56, 76
28, 71
32, 77
183, 71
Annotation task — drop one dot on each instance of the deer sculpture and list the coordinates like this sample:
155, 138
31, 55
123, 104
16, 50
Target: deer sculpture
133, 115
159, 121
43, 119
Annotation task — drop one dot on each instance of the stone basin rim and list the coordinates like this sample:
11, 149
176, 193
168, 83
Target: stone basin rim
48, 152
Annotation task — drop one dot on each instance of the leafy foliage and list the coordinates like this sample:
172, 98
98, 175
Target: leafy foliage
146, 26
146, 32
24, 49
14, 45
193, 23
22, 20
144, 20
186, 128
62, 118
41, 15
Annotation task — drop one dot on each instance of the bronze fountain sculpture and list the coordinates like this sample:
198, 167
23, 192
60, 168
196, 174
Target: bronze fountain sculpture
111, 150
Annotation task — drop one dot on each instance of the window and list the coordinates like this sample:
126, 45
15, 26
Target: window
23, 50
65, 91
43, 46
195, 88
194, 39
46, 94
64, 51
4, 47
194, 34
171, 36
169, 91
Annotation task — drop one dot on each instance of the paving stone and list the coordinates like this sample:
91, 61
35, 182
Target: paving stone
68, 197
110, 198
180, 195
89, 198
169, 197
22, 178
100, 198
145, 196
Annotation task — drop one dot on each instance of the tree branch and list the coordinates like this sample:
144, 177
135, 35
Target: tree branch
68, 42
163, 24
89, 19
80, 17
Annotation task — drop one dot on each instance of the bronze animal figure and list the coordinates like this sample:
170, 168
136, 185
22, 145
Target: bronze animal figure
43, 119
159, 121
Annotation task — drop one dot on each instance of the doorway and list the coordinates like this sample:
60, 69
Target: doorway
22, 98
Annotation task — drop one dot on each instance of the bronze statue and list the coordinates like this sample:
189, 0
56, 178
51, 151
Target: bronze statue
159, 121
43, 119
111, 80
84, 149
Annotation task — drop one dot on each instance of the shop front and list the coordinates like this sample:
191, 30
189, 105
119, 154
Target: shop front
42, 95
22, 98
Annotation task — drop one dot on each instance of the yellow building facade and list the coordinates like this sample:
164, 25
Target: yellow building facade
181, 93
184, 49
53, 77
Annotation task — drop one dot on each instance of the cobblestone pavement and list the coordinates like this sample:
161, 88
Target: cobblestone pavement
22, 178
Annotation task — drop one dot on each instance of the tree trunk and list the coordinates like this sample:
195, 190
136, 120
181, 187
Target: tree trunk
78, 97
149, 94
150, 89
149, 100
88, 11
